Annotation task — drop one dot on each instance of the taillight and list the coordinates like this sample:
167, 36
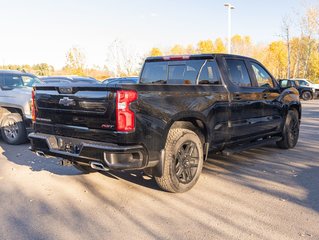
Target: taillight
33, 107
125, 118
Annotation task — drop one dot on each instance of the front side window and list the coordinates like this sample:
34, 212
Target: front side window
263, 78
12, 80
303, 83
30, 81
238, 73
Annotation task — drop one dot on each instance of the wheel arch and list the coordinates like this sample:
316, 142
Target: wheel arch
5, 110
297, 107
195, 122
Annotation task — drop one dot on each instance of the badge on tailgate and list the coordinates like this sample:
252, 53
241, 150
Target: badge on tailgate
67, 102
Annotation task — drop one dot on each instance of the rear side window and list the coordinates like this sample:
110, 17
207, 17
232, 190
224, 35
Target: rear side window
154, 72
284, 83
210, 74
238, 73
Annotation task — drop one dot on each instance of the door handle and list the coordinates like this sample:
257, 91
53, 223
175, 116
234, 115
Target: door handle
237, 97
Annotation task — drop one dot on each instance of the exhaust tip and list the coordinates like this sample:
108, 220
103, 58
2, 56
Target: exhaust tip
40, 154
99, 166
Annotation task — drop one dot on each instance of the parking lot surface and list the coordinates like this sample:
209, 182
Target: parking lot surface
263, 193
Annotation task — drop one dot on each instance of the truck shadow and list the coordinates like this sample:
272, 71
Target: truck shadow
21, 155
279, 173
268, 169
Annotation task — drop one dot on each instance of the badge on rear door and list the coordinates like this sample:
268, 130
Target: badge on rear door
67, 102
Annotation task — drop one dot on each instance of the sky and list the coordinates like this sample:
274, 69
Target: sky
37, 31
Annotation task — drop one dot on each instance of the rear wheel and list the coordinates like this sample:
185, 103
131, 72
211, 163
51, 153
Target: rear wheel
13, 129
183, 161
290, 133
306, 95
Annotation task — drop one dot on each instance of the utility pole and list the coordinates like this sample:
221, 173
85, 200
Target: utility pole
229, 7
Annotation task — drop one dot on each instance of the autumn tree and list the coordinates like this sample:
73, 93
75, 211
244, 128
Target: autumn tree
155, 52
205, 46
219, 46
43, 69
190, 49
241, 45
75, 62
177, 50
276, 59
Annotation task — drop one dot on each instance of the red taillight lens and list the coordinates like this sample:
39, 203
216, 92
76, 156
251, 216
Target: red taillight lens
33, 107
125, 118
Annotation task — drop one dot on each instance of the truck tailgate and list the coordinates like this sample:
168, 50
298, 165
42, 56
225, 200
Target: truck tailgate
91, 107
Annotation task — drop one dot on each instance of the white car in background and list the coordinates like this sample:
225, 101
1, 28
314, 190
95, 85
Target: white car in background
306, 82
15, 107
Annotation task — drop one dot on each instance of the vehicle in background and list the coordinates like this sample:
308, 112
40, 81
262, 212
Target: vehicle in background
305, 92
182, 108
124, 80
15, 105
307, 83
69, 79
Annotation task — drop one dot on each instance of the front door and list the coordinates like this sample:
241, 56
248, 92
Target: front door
250, 112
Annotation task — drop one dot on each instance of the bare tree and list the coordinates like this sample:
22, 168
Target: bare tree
122, 59
286, 26
309, 28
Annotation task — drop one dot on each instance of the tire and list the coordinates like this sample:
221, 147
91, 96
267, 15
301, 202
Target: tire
306, 95
183, 161
83, 168
290, 133
13, 129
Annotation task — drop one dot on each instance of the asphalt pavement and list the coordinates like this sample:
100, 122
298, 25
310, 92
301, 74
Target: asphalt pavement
263, 193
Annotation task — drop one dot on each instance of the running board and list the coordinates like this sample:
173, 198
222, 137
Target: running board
243, 147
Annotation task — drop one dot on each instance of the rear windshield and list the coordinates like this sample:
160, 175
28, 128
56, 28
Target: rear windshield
181, 72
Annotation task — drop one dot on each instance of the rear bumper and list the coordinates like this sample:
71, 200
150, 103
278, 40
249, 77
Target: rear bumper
82, 151
28, 125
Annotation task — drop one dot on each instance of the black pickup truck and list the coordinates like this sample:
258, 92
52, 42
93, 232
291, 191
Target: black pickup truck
182, 108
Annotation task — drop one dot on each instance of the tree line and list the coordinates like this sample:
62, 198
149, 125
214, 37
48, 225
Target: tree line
288, 57
291, 56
